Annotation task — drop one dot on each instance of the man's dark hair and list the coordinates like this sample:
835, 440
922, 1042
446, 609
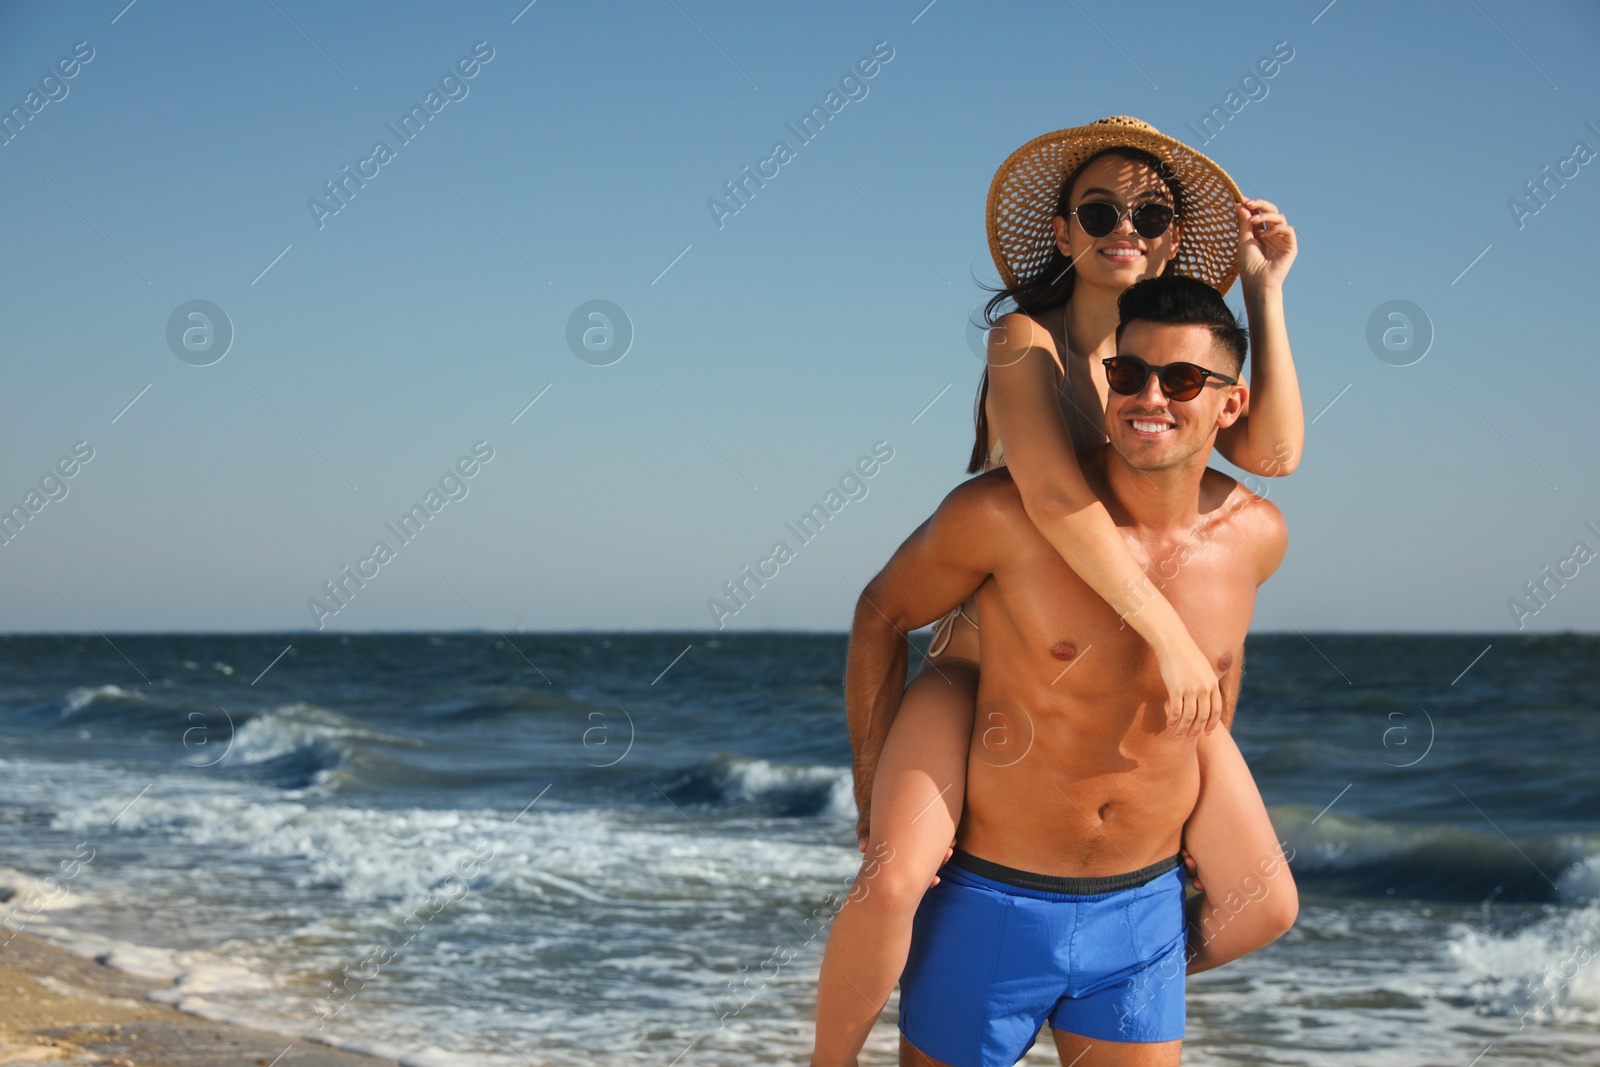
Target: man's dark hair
1178, 300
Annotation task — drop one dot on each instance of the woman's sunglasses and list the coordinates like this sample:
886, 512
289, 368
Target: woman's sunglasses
1179, 381
1099, 217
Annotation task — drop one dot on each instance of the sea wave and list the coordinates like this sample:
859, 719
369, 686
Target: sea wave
1345, 855
771, 788
112, 702
81, 697
293, 746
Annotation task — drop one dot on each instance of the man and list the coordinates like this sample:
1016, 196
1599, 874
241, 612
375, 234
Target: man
1064, 899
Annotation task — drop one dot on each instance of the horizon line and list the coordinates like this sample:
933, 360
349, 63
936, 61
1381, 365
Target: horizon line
664, 632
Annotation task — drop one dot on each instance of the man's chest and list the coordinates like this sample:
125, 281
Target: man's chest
1058, 628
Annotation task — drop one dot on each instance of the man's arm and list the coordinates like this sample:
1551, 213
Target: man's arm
936, 568
1271, 539
1266, 540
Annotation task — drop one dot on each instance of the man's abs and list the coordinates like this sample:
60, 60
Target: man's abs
1045, 797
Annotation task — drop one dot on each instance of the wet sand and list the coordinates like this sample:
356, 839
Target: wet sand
59, 1008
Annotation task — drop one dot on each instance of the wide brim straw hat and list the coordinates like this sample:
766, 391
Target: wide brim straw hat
1027, 188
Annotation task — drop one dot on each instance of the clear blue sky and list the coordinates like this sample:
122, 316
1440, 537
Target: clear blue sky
776, 350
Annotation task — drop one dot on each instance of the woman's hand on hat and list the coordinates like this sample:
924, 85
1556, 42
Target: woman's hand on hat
1266, 244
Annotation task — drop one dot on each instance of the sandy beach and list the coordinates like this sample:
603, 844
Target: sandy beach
59, 1008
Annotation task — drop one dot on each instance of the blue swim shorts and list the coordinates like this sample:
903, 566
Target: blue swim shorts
996, 952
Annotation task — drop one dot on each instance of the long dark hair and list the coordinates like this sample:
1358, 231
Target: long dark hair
1052, 284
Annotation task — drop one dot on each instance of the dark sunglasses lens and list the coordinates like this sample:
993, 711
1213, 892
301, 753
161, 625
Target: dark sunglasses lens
1152, 220
1182, 381
1126, 376
1096, 218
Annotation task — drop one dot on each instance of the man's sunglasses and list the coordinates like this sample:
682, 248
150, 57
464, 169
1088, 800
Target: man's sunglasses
1179, 381
1100, 217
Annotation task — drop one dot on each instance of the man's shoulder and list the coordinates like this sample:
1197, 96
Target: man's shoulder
1251, 520
1232, 501
993, 493
989, 500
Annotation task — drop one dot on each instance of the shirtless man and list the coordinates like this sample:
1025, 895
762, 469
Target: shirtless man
1064, 898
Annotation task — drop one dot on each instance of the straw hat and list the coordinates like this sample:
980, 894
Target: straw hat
1026, 188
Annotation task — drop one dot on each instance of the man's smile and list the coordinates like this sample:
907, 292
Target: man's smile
1146, 427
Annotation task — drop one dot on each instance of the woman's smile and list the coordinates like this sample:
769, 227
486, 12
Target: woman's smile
1121, 253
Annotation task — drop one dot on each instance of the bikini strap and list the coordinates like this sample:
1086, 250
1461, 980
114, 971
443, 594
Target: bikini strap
945, 627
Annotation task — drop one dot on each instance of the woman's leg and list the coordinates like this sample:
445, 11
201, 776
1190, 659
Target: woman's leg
1249, 897
916, 803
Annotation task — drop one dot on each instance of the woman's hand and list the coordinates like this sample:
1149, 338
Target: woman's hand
1194, 696
1191, 870
1266, 244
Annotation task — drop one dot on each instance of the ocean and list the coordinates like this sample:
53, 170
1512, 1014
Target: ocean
624, 848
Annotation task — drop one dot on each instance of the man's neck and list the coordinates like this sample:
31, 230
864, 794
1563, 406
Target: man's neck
1161, 501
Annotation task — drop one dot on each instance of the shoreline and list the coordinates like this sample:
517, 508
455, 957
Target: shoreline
57, 1007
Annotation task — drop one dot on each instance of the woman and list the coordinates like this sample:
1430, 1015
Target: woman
1074, 217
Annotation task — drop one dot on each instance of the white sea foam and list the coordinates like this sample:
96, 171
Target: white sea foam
599, 935
610, 888
1549, 970
211, 986
1581, 880
24, 897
